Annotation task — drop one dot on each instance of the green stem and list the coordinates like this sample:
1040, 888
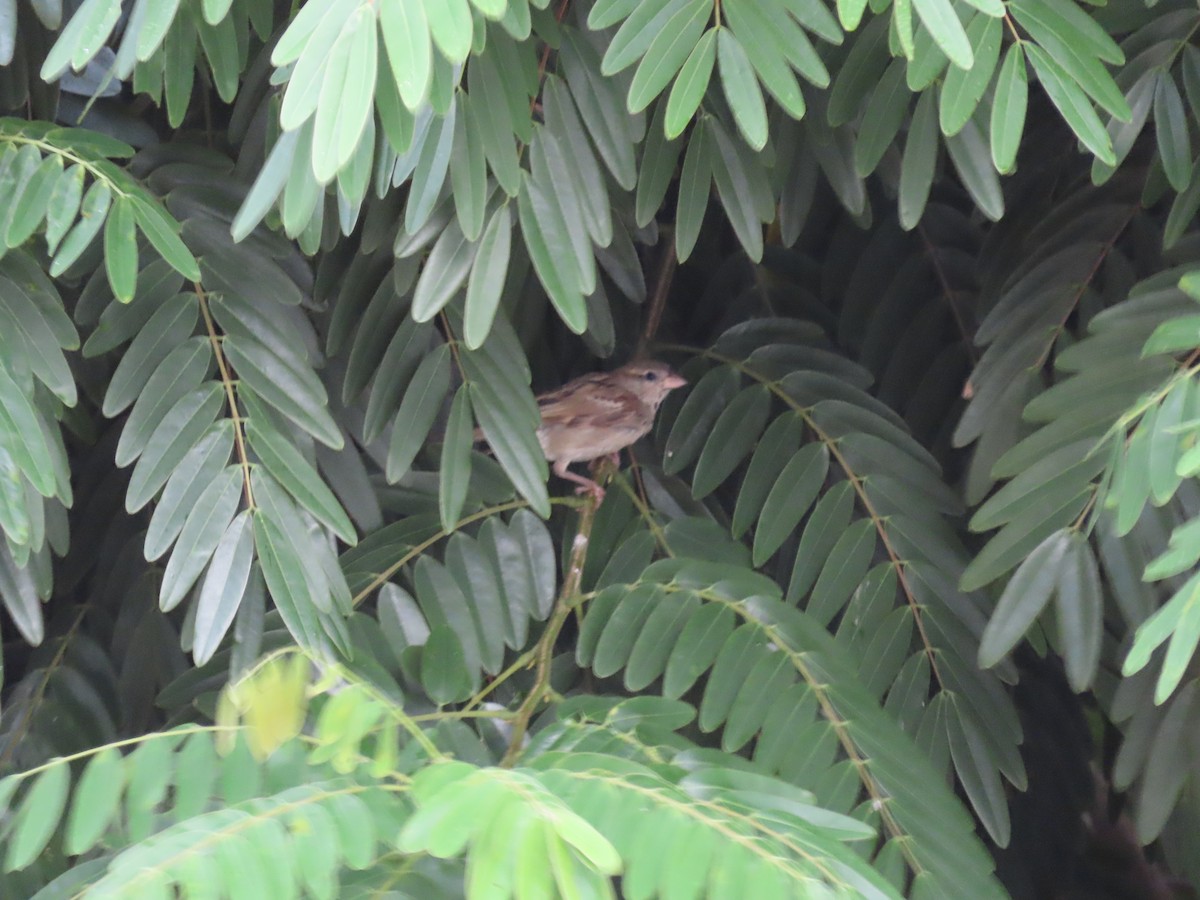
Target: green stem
544, 650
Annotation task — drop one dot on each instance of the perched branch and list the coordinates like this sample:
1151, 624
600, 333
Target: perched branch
545, 647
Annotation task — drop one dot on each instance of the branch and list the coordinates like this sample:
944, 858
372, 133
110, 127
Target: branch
545, 647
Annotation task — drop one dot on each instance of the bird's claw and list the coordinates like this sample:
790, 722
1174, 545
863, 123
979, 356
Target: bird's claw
593, 490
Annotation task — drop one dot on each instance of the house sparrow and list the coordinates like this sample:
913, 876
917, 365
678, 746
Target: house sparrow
600, 414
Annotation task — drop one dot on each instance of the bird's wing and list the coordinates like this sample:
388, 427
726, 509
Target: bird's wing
593, 399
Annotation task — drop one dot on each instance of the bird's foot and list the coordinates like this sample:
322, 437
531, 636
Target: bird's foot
592, 489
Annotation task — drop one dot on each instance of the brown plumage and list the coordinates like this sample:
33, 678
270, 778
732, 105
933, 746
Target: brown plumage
600, 414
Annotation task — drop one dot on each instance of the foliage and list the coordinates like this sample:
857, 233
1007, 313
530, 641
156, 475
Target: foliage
936, 462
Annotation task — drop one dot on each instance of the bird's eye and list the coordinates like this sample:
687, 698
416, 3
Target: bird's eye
651, 376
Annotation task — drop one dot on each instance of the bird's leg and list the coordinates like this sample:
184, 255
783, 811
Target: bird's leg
586, 485
613, 459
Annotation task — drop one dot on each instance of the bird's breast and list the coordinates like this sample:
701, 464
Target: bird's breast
581, 443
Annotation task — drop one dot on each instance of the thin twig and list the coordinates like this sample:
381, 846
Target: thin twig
545, 647
662, 286
228, 381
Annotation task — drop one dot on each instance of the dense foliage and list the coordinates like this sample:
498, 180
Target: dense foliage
899, 599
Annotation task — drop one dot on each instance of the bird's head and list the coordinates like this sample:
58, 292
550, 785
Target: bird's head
649, 379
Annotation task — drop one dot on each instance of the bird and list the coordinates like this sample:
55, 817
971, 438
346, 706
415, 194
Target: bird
600, 414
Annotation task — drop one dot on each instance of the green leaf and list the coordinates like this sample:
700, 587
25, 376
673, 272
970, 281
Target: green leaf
454, 473
182, 371
646, 23
179, 68
882, 120
298, 478
493, 121
295, 578
850, 13
22, 436
705, 402
82, 37
947, 30
962, 89
190, 480
773, 50
1172, 130
816, 17
570, 141
978, 774
553, 268
1071, 102
468, 172
600, 106
667, 53
163, 234
843, 571
610, 12
794, 492
38, 815
157, 22
92, 216
347, 94
421, 404
307, 24
778, 444
865, 63
409, 50
972, 160
695, 185
444, 672
429, 174
31, 202
1080, 607
515, 444
741, 89
177, 432
170, 325
304, 85
486, 281
451, 27
220, 45
63, 206
1151, 634
120, 249
223, 587
492, 9
1008, 109
296, 392
1184, 638
731, 439
686, 93
404, 353
1024, 598
1068, 45
919, 162
742, 186
445, 271
96, 801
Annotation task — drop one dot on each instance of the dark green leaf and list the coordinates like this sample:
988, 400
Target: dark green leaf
298, 478
37, 818
1008, 109
421, 404
223, 587
794, 492
120, 249
741, 89
455, 469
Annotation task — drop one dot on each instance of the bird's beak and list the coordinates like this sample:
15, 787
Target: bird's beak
673, 381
